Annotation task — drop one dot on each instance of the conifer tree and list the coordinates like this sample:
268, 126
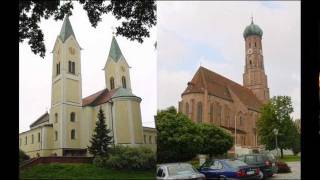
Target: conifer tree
101, 139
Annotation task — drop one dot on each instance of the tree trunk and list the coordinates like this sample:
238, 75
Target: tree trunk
281, 153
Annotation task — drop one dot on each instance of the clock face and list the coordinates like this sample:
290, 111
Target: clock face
249, 51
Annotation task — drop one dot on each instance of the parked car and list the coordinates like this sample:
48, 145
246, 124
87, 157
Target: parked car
266, 163
283, 167
228, 169
178, 171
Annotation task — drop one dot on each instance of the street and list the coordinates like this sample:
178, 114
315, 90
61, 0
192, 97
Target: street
295, 174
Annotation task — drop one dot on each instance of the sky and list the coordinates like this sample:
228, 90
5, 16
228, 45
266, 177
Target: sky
210, 34
35, 72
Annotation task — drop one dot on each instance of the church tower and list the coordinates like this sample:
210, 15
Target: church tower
254, 77
116, 68
66, 98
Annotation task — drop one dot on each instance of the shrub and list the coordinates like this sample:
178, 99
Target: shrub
23, 156
138, 158
100, 161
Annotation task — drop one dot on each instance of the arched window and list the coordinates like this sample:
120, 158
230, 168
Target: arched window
249, 45
187, 109
250, 62
211, 112
39, 137
26, 142
255, 44
124, 83
199, 112
73, 134
111, 83
73, 117
56, 117
32, 139
218, 115
55, 135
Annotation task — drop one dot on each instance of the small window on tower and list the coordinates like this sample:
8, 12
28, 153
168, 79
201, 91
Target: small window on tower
255, 44
73, 67
73, 134
55, 135
249, 45
56, 117
250, 62
58, 69
73, 117
111, 83
39, 137
124, 83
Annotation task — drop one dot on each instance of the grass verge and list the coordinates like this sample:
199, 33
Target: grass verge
81, 171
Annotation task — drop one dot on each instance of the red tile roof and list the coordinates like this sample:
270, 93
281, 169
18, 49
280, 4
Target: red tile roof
220, 86
42, 119
98, 98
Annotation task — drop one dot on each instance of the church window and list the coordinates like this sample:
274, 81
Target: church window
111, 83
55, 135
26, 140
124, 83
58, 69
71, 67
73, 117
39, 137
56, 117
250, 62
187, 109
249, 45
219, 114
241, 121
199, 112
255, 44
211, 112
73, 134
150, 140
32, 139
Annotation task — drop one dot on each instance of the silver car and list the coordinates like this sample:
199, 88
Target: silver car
178, 171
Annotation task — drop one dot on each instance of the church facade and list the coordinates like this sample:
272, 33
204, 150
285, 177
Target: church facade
214, 99
67, 129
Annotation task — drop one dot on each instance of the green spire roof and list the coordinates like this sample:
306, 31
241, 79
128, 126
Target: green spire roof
115, 51
66, 29
122, 92
252, 29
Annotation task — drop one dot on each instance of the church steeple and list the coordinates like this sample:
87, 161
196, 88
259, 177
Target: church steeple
66, 29
254, 76
116, 68
115, 51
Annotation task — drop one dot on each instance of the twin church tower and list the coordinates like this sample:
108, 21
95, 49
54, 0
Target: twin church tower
69, 126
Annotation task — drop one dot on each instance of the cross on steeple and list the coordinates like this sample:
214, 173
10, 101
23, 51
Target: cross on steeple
251, 18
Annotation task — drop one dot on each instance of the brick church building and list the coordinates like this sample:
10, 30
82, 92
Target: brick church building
212, 98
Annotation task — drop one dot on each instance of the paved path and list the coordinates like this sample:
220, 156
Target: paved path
295, 174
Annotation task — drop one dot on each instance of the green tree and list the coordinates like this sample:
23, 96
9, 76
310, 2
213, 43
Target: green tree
215, 141
100, 140
136, 18
296, 144
22, 156
276, 115
178, 138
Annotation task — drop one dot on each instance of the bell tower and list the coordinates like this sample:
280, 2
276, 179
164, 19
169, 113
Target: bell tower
66, 98
254, 77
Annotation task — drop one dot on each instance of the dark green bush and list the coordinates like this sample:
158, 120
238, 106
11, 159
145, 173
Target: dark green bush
23, 156
100, 161
135, 158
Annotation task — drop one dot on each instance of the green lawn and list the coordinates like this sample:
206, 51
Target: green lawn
290, 158
81, 171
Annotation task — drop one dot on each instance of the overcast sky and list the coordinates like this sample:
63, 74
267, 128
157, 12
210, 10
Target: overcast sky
210, 33
35, 72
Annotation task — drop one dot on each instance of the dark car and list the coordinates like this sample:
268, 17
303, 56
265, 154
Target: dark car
266, 163
228, 169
